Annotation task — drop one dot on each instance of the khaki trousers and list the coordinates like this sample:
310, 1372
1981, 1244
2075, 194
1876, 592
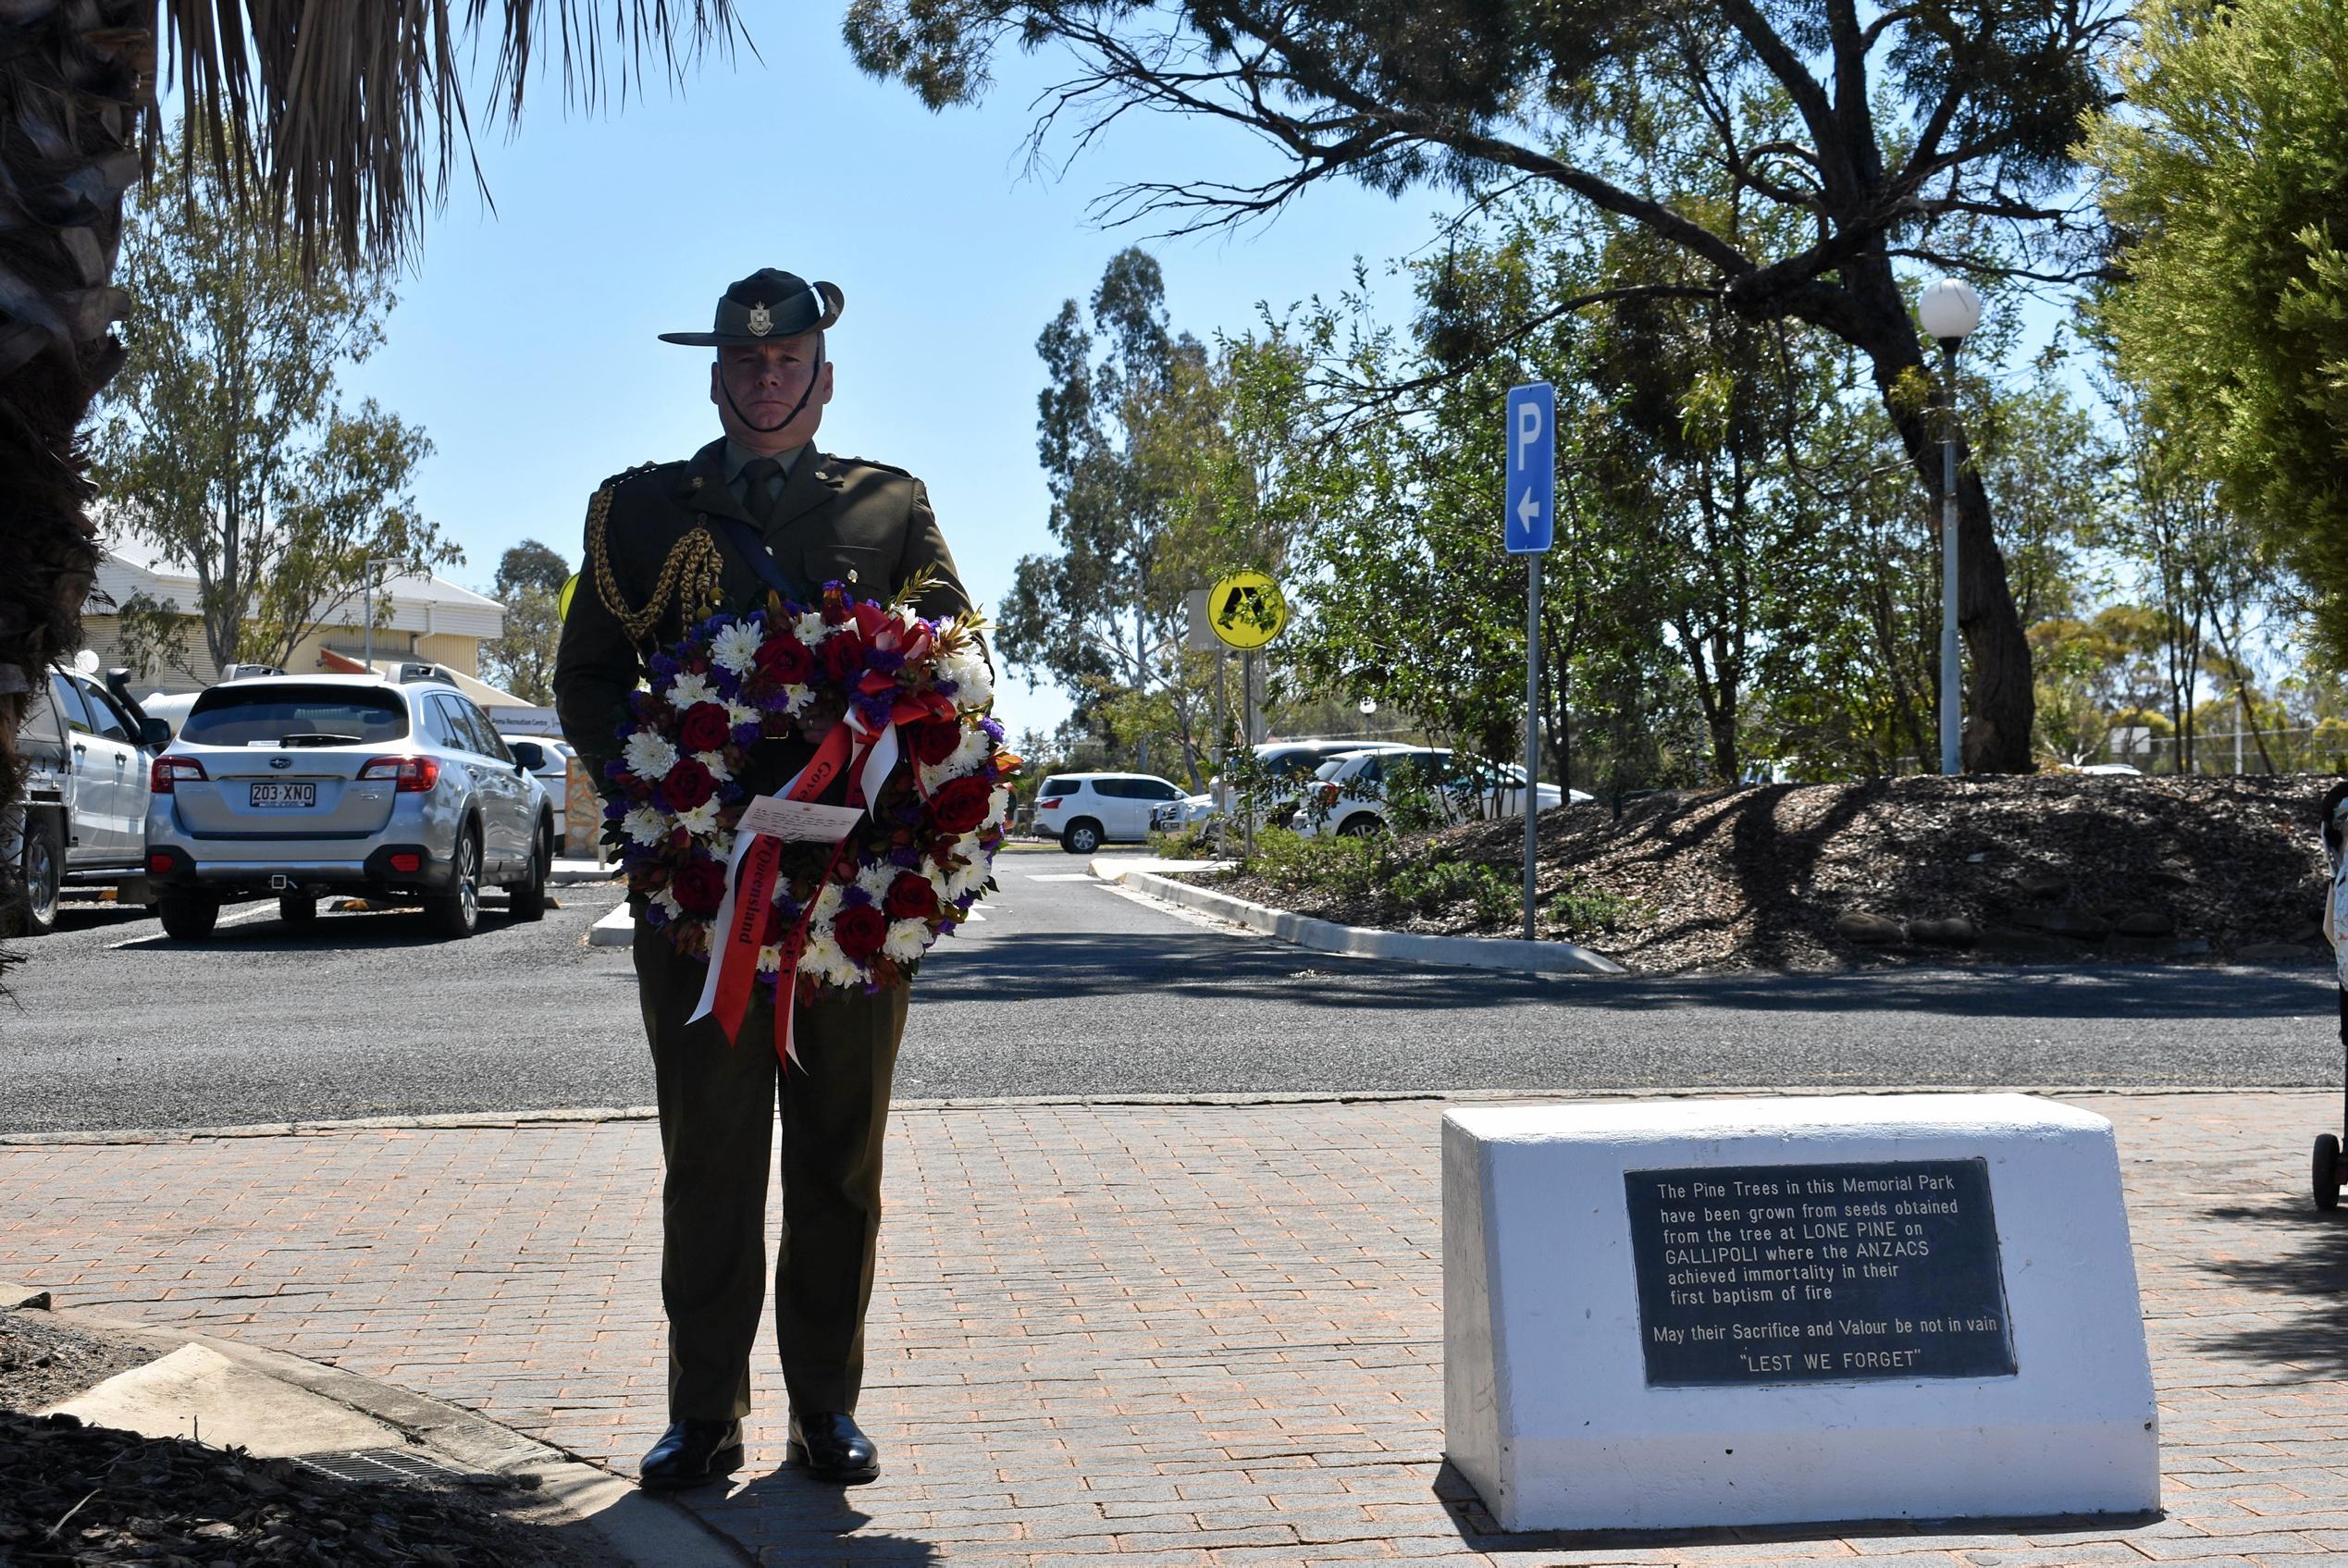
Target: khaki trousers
717, 1124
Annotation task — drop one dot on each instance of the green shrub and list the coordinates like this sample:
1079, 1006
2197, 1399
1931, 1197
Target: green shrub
1437, 884
1581, 909
1193, 843
1346, 866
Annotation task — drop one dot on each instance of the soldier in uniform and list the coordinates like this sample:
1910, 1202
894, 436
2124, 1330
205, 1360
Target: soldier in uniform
759, 509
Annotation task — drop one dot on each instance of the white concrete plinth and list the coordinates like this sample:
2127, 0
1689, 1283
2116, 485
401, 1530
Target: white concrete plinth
1548, 1407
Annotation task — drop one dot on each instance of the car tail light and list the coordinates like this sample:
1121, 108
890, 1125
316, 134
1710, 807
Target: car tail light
168, 770
407, 862
1051, 804
158, 864
415, 775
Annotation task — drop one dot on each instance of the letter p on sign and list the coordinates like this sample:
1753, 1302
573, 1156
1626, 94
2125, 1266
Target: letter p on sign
1529, 488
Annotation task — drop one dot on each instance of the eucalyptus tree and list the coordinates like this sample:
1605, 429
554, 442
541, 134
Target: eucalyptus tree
345, 122
1895, 137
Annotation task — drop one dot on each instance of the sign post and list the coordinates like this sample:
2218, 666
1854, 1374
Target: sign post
1246, 610
1528, 494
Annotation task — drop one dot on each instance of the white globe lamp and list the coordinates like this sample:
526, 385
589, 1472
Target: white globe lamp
1949, 310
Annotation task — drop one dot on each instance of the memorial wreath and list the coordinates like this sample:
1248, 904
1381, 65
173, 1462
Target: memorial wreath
842, 900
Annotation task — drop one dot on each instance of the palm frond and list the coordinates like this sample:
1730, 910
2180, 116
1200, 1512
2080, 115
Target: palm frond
347, 118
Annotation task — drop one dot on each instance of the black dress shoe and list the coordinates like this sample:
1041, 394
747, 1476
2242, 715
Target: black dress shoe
833, 1449
692, 1454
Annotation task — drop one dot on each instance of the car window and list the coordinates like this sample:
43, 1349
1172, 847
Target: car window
105, 719
440, 726
1331, 767
1156, 789
66, 696
1118, 789
486, 739
1050, 787
1371, 771
256, 715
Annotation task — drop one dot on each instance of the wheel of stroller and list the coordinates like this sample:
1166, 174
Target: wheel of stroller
2326, 1172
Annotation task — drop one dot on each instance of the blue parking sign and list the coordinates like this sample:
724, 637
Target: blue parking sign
1530, 469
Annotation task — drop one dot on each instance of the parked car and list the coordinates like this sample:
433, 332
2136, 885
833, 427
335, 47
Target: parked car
305, 785
548, 760
1288, 765
87, 748
1086, 810
1349, 794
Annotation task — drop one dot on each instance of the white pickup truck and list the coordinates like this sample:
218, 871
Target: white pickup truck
87, 748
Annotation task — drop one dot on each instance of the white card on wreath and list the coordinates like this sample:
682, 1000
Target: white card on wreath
778, 817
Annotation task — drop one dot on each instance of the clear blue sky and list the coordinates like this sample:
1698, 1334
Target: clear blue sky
524, 340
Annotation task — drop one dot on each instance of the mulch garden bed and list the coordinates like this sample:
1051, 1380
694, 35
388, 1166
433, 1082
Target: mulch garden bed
2061, 868
76, 1494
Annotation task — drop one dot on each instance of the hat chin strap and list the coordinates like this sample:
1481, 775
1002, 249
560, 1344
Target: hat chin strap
796, 409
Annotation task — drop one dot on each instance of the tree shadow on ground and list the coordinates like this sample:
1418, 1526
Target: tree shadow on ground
1479, 1532
1040, 966
785, 1517
2301, 1255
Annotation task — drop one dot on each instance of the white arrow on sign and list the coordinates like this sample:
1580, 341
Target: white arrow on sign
1526, 509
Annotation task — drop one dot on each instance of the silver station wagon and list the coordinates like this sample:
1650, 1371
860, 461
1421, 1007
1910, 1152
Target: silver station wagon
305, 785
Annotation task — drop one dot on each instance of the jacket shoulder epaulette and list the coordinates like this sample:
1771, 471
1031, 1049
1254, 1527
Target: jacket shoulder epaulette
883, 467
624, 475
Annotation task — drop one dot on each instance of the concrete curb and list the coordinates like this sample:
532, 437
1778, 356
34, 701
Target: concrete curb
638, 1526
1362, 942
616, 929
604, 1115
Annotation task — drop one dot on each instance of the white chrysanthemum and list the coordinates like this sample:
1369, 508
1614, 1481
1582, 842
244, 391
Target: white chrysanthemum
973, 749
972, 684
667, 901
645, 825
998, 806
648, 756
810, 628
716, 762
798, 697
722, 845
737, 715
702, 819
827, 904
769, 960
907, 940
822, 952
875, 879
690, 689
734, 647
963, 879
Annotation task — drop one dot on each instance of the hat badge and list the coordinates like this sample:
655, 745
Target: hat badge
761, 321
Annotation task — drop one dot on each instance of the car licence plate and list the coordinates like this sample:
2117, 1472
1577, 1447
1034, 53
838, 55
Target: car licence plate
285, 794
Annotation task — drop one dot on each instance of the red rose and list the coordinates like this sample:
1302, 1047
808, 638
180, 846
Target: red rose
911, 898
860, 930
785, 660
933, 741
961, 804
688, 785
705, 727
698, 885
843, 657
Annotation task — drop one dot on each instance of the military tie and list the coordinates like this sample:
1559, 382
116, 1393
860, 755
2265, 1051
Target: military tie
759, 475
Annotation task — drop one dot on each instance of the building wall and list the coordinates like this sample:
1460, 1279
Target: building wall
103, 636
451, 652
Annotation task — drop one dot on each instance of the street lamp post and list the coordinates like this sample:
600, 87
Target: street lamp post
1949, 310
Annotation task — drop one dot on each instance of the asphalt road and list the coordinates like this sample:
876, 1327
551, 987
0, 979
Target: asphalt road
1068, 987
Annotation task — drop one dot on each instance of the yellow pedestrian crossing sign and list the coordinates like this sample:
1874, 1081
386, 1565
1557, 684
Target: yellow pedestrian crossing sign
1246, 610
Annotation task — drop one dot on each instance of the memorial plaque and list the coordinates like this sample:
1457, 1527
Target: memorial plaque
1818, 1272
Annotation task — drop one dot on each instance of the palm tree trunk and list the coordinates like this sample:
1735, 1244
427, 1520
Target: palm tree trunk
74, 78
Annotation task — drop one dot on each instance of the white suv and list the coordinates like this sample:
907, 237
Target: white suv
1086, 810
1349, 796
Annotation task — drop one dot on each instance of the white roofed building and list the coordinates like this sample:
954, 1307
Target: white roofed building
431, 619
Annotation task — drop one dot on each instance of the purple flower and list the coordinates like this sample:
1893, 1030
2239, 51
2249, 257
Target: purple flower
908, 858
654, 915
944, 689
993, 730
787, 907
884, 661
747, 734
661, 664
853, 897
876, 707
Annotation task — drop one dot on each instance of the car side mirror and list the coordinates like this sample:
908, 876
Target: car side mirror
154, 732
527, 754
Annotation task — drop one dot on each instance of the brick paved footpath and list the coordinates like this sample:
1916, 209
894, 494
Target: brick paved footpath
1163, 1336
